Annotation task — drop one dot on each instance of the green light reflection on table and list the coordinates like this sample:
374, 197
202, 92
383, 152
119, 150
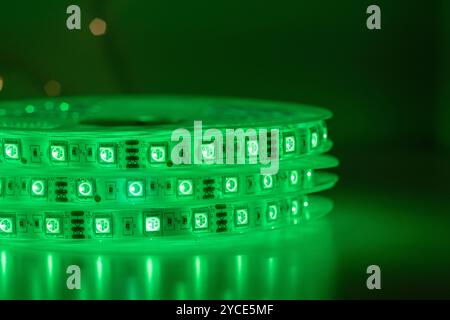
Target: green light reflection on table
291, 263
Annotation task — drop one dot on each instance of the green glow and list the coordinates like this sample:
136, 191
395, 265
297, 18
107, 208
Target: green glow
135, 189
38, 188
241, 217
272, 212
200, 221
208, 151
289, 144
29, 108
64, 106
158, 154
185, 187
58, 153
88, 175
231, 184
107, 154
53, 225
6, 225
152, 224
267, 181
314, 139
85, 189
294, 207
294, 177
252, 148
49, 105
103, 225
12, 151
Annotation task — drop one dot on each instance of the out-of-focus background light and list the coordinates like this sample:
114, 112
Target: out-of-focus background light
52, 88
98, 27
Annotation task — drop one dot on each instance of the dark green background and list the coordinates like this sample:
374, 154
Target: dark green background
389, 92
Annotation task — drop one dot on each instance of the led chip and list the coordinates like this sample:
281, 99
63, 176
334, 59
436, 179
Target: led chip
267, 181
185, 187
58, 152
314, 138
293, 177
272, 212
135, 189
152, 224
12, 151
103, 226
85, 188
208, 151
7, 225
231, 185
252, 148
241, 217
294, 208
200, 221
107, 154
158, 153
53, 225
289, 144
38, 188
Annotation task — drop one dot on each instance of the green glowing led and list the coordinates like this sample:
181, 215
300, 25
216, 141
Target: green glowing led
241, 217
136, 189
53, 225
6, 225
107, 154
267, 181
58, 153
185, 187
64, 106
12, 151
103, 226
294, 207
158, 153
289, 144
38, 188
231, 185
293, 177
252, 148
208, 151
272, 212
152, 224
200, 221
314, 139
113, 160
29, 108
85, 188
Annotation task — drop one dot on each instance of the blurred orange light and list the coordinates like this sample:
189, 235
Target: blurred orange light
52, 88
97, 27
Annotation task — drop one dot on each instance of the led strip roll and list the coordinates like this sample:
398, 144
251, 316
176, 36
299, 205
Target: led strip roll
100, 168
136, 133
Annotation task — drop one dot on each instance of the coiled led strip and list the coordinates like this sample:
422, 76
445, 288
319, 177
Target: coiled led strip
38, 140
140, 222
79, 172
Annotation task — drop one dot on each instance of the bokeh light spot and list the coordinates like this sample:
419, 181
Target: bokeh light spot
98, 27
29, 108
64, 106
52, 88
